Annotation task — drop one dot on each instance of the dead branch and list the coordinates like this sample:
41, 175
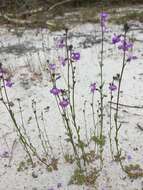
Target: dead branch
16, 21
141, 128
20, 21
30, 12
58, 4
128, 106
24, 21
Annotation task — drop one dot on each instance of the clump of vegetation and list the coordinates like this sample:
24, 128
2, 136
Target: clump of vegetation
134, 171
53, 165
69, 158
23, 165
81, 177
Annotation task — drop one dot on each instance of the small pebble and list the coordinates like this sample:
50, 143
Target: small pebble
59, 185
34, 175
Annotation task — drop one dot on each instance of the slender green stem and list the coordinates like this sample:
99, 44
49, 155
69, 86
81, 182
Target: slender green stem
118, 98
111, 127
101, 83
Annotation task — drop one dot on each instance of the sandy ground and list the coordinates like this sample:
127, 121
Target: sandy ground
25, 53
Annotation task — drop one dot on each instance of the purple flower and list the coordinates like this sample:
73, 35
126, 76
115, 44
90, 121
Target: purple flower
112, 87
93, 87
103, 20
52, 67
116, 39
59, 185
104, 16
55, 91
9, 83
4, 153
129, 157
60, 43
62, 60
125, 46
75, 56
64, 103
131, 57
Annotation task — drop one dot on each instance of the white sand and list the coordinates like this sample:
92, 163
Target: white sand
112, 177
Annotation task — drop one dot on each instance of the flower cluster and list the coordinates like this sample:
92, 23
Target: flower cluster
72, 56
4, 75
116, 39
63, 102
75, 56
112, 87
124, 45
103, 20
55, 91
52, 67
93, 87
60, 43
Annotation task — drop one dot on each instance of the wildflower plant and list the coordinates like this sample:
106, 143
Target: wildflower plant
29, 148
125, 46
65, 98
100, 138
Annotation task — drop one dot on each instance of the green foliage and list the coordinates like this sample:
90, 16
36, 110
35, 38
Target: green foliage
69, 158
98, 140
80, 178
22, 166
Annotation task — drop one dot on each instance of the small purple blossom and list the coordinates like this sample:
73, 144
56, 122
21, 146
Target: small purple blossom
60, 43
64, 103
4, 153
112, 87
93, 87
129, 157
59, 185
52, 67
116, 39
104, 16
131, 57
55, 91
125, 46
75, 56
103, 20
8, 83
